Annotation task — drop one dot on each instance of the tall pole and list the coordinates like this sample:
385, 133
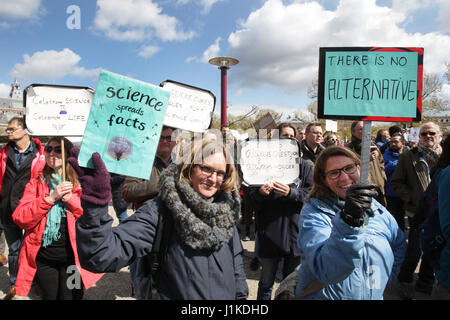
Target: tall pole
224, 63
223, 108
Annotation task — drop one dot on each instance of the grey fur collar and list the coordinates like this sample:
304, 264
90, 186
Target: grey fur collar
200, 223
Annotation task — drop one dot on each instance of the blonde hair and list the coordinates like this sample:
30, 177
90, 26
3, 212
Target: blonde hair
320, 188
198, 152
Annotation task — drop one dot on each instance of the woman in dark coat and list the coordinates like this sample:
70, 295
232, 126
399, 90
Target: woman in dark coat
200, 196
277, 207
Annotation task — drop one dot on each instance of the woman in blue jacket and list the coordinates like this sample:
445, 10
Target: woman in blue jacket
350, 244
200, 196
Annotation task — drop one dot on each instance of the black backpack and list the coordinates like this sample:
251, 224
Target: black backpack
155, 258
431, 237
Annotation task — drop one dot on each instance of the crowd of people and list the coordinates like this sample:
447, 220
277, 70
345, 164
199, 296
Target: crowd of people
332, 235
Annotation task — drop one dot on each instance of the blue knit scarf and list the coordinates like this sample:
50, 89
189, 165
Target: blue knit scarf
54, 215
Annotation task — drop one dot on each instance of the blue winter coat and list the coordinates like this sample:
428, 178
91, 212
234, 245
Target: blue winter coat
186, 274
390, 162
352, 262
443, 275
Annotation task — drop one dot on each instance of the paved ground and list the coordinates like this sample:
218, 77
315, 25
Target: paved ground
117, 286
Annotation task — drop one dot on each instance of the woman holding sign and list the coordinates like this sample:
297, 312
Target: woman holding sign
199, 200
47, 212
277, 207
351, 245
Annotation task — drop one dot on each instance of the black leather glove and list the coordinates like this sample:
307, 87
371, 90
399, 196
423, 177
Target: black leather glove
357, 203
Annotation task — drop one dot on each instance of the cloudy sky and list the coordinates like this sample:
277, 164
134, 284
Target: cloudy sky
277, 42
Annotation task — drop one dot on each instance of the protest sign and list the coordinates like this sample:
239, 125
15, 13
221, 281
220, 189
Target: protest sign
55, 110
189, 108
264, 126
265, 122
331, 125
264, 160
413, 134
364, 83
124, 125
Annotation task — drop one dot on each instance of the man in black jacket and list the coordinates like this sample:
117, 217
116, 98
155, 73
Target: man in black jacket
312, 144
20, 160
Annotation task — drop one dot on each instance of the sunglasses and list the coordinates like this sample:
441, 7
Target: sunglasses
431, 133
49, 149
167, 138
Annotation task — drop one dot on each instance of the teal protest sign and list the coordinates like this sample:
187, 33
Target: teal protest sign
124, 125
383, 84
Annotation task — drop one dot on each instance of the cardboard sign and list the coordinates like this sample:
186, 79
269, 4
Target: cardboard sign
413, 134
53, 110
264, 160
124, 125
382, 84
189, 108
331, 125
265, 122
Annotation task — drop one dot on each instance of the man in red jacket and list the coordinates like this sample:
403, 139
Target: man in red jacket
20, 160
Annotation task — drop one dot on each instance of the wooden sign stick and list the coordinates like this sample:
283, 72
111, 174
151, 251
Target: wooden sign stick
63, 160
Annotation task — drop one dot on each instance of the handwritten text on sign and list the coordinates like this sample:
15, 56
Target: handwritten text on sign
56, 110
124, 125
189, 108
371, 83
269, 160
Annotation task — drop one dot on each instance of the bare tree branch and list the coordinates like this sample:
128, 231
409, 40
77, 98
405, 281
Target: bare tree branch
252, 112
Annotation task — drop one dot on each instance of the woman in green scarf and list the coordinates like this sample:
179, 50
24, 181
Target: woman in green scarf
47, 212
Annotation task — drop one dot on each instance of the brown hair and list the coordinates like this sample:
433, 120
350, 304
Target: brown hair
198, 152
320, 188
287, 125
71, 175
314, 124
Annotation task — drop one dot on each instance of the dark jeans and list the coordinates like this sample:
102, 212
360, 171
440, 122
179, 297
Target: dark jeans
269, 271
53, 279
412, 257
14, 237
247, 212
396, 207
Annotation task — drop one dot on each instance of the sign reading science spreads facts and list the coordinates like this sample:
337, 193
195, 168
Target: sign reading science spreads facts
189, 108
264, 160
54, 110
364, 83
124, 125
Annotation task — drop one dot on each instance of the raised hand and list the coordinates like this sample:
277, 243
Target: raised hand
357, 202
95, 183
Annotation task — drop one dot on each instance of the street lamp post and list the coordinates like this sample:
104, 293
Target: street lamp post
224, 63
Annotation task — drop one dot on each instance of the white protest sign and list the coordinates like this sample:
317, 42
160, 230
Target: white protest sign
331, 125
53, 110
264, 160
413, 135
189, 108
